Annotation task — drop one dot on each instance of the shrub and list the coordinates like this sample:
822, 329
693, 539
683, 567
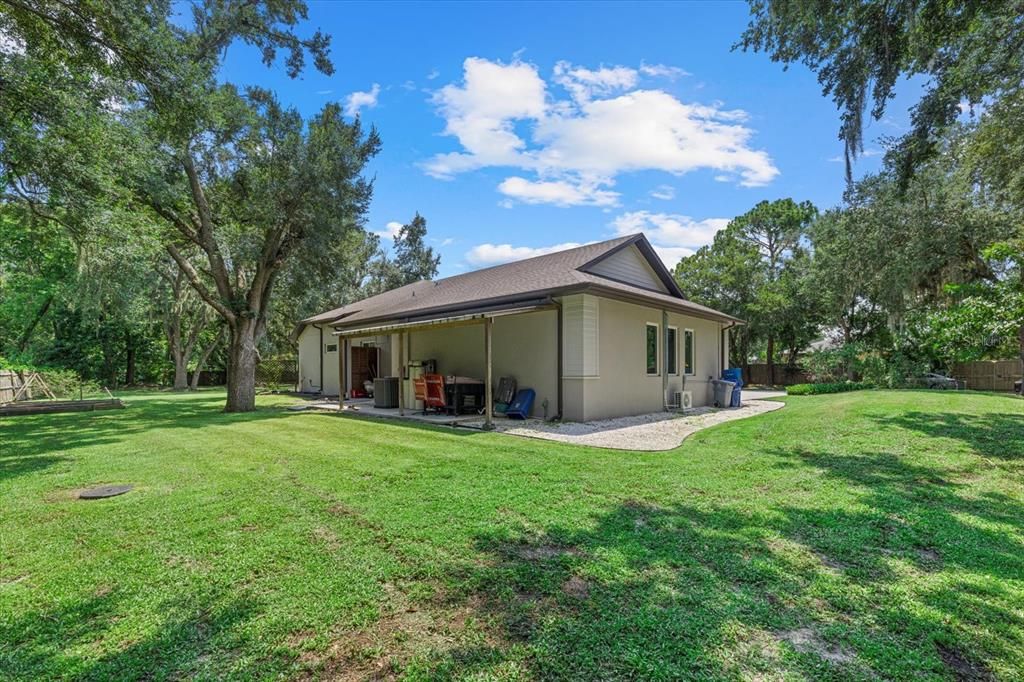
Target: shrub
831, 387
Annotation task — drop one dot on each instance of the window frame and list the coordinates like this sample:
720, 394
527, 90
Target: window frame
330, 348
673, 345
692, 360
657, 349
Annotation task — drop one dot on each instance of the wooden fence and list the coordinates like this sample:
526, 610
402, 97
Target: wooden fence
988, 375
10, 382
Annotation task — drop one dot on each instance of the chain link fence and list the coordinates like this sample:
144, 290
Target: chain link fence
277, 374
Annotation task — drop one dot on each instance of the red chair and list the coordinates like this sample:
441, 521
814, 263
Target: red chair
435, 399
419, 387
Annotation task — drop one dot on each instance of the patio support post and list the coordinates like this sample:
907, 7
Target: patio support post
341, 372
401, 374
488, 394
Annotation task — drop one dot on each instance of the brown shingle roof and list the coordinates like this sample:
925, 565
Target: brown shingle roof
537, 277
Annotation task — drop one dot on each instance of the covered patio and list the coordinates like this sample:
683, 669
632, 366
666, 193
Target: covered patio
470, 351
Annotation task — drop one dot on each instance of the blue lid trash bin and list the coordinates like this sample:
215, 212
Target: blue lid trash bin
723, 392
735, 375
521, 405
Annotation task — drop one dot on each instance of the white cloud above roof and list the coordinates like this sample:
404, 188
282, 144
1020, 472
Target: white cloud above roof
496, 254
506, 116
357, 101
663, 192
390, 230
557, 192
672, 235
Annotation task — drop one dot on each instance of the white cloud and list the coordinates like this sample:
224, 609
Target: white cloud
672, 235
557, 192
664, 192
481, 113
495, 254
663, 71
867, 153
503, 115
434, 73
324, 92
390, 230
583, 84
359, 100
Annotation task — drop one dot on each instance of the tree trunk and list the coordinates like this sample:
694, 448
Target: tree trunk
242, 366
27, 334
771, 359
202, 361
846, 342
129, 370
180, 370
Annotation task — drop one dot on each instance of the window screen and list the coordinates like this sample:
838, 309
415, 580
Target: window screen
652, 349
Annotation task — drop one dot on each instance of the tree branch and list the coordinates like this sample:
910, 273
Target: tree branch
197, 284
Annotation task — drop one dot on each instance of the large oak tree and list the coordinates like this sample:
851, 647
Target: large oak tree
233, 175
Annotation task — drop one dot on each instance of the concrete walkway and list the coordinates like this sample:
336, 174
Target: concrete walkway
649, 432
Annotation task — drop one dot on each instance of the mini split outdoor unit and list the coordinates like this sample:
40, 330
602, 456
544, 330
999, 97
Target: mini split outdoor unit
683, 400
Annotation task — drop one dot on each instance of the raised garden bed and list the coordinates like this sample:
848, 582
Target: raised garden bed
51, 406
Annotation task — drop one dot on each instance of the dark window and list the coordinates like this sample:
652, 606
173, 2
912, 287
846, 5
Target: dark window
673, 351
331, 347
652, 349
688, 350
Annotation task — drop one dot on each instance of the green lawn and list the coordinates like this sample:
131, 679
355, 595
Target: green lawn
854, 536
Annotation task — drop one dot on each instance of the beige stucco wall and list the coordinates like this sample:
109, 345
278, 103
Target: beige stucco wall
623, 386
309, 362
309, 359
523, 346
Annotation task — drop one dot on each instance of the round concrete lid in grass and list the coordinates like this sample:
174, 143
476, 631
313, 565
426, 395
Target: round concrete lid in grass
104, 491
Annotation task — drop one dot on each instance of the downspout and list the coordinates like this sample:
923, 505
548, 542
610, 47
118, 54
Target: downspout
664, 364
722, 359
321, 329
558, 416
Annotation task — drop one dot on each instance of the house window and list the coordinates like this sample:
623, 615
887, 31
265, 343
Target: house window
673, 350
688, 352
330, 348
652, 349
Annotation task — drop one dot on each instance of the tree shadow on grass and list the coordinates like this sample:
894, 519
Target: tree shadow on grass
993, 434
30, 443
80, 641
913, 575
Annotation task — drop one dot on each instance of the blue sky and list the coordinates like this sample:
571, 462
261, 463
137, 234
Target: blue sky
516, 128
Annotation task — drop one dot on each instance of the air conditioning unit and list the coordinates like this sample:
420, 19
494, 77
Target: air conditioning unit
684, 400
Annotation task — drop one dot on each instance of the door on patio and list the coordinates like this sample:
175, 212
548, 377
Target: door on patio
365, 365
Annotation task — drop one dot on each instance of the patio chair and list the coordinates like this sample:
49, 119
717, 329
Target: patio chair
504, 394
419, 387
435, 399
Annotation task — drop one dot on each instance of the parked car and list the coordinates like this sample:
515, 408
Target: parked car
941, 381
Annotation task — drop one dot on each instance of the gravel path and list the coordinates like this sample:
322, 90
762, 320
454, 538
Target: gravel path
657, 431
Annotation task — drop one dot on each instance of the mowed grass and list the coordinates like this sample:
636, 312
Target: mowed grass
855, 536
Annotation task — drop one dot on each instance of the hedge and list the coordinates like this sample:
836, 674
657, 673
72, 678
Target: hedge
834, 387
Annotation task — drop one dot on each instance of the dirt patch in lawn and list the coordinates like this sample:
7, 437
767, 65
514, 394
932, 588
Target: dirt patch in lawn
807, 641
576, 587
541, 552
963, 668
406, 630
